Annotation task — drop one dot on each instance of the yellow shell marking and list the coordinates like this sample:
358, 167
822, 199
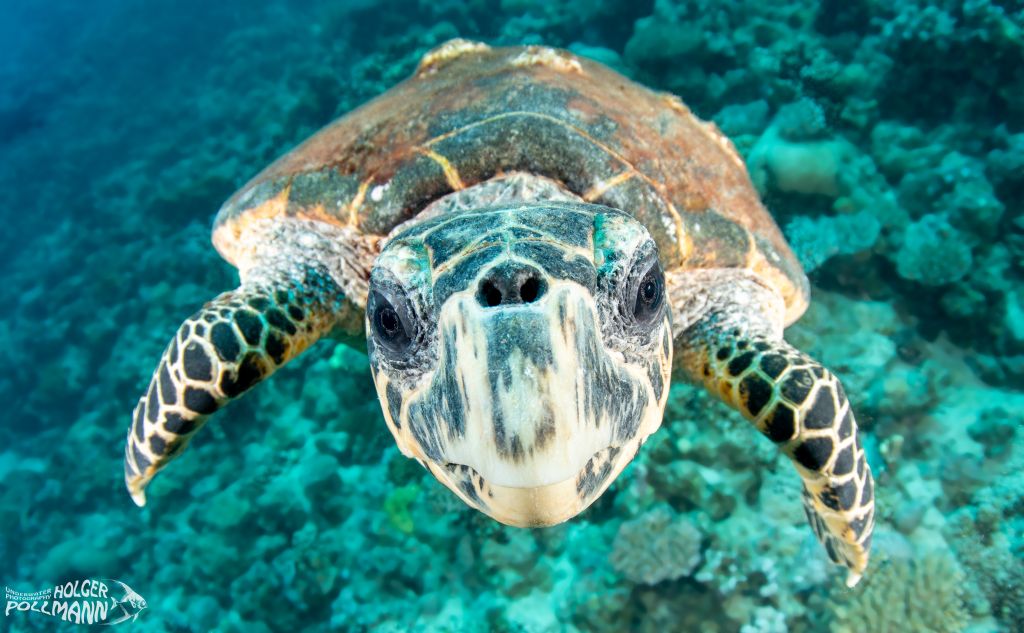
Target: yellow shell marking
357, 201
450, 173
630, 168
601, 187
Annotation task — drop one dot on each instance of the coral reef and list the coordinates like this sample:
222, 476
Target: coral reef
887, 139
916, 259
655, 547
923, 595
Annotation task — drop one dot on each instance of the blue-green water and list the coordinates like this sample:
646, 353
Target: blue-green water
887, 138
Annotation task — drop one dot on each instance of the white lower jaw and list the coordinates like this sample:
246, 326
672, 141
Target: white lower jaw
557, 462
528, 478
537, 506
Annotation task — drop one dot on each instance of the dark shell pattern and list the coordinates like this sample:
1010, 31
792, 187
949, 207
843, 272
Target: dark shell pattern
472, 112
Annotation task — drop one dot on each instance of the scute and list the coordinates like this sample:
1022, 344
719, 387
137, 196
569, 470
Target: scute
472, 112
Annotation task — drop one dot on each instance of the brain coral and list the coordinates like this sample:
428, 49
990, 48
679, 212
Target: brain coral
906, 596
657, 546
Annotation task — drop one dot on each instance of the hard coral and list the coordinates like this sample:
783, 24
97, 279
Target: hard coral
905, 596
657, 546
933, 253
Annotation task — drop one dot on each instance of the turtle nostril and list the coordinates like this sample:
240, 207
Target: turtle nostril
491, 294
510, 283
530, 290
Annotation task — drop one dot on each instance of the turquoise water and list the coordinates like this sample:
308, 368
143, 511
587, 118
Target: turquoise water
886, 138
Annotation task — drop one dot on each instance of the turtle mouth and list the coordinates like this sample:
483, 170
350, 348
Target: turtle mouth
591, 469
536, 505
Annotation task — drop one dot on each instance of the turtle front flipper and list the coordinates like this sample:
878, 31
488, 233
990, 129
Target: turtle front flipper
232, 343
800, 406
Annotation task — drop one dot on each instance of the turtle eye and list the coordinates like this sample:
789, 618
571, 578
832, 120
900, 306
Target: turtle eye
650, 295
388, 323
392, 322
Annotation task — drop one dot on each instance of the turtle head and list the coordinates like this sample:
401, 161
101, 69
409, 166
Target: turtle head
521, 353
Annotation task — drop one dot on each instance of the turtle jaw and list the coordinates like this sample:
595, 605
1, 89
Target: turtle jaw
539, 506
528, 415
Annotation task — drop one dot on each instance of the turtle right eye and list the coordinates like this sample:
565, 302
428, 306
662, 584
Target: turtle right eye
392, 323
649, 295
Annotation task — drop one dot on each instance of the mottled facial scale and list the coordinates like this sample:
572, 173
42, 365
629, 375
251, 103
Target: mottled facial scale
521, 353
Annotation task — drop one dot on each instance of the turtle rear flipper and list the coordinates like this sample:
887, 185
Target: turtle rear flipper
740, 356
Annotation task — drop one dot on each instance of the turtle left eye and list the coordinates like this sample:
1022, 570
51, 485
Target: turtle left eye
650, 292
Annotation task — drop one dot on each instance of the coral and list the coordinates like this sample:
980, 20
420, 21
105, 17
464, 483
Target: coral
921, 24
800, 121
808, 167
995, 428
1006, 162
999, 577
1013, 319
657, 41
958, 187
985, 531
602, 608
741, 119
913, 596
657, 546
930, 236
396, 505
766, 620
816, 240
887, 139
512, 558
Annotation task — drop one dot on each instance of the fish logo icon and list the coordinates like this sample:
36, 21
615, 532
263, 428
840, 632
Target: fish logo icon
125, 603
80, 601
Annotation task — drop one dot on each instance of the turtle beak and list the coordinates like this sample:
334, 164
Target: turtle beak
528, 416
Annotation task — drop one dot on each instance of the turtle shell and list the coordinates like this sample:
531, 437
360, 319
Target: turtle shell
472, 112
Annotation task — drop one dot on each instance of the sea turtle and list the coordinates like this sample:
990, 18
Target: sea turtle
531, 246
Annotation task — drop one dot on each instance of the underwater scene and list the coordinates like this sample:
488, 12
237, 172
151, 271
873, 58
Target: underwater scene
412, 482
